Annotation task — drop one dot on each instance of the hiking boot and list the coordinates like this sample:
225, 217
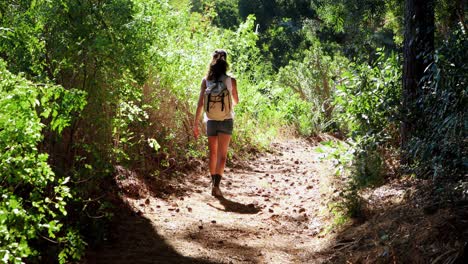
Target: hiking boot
215, 180
216, 192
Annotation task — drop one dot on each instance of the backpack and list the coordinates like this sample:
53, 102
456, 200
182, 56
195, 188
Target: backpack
218, 102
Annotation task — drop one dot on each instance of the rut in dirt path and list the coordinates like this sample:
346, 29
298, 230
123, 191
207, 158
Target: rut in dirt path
272, 212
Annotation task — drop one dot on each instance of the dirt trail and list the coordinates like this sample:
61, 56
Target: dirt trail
272, 212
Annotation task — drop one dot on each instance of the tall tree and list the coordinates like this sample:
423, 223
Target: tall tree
418, 50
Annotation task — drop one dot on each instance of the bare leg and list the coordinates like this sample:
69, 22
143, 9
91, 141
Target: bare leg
218, 146
223, 144
213, 147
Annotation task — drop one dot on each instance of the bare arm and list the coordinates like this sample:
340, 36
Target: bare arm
199, 111
235, 96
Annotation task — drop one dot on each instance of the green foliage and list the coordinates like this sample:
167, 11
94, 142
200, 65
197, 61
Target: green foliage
264, 11
33, 201
311, 78
450, 16
267, 11
225, 13
302, 114
280, 41
346, 203
367, 98
369, 168
439, 142
280, 27
358, 165
366, 105
333, 15
245, 53
75, 43
360, 27
257, 120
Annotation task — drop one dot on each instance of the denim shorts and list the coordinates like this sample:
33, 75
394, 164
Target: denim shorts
213, 127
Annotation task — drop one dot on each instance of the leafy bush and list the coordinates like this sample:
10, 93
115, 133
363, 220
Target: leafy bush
345, 203
367, 98
33, 197
366, 106
439, 144
311, 78
224, 13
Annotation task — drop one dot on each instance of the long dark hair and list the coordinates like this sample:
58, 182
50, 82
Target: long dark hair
218, 66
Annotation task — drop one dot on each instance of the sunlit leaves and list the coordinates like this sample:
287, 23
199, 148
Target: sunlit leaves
153, 144
367, 97
29, 207
333, 15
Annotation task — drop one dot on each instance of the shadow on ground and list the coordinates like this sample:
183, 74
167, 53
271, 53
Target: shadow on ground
417, 230
235, 207
134, 240
218, 240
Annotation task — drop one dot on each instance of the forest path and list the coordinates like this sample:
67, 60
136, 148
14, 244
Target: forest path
273, 211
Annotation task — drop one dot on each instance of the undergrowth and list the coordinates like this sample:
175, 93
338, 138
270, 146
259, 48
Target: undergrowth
366, 105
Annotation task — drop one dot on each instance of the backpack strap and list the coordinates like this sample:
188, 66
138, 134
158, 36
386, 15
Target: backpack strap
208, 102
229, 88
229, 83
222, 102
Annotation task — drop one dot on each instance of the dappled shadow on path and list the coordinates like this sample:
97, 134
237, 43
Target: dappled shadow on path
235, 207
133, 239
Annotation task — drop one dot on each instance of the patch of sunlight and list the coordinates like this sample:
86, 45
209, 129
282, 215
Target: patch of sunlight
387, 193
265, 184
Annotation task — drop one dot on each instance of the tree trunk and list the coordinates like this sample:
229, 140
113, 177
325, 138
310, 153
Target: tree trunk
418, 50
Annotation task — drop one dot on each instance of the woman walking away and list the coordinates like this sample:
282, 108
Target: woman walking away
218, 95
